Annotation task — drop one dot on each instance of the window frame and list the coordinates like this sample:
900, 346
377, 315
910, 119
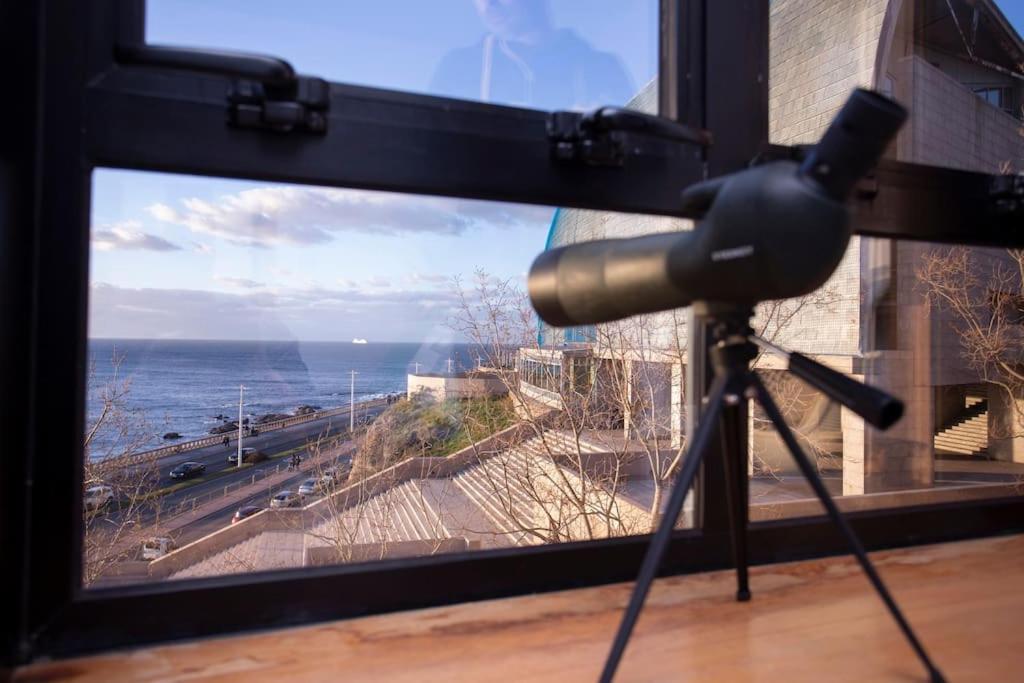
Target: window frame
78, 96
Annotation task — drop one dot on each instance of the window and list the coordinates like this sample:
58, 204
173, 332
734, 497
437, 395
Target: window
914, 318
165, 208
372, 360
997, 97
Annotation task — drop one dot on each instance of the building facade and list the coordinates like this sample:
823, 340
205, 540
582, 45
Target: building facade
957, 66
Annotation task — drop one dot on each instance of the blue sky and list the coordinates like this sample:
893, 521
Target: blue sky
186, 257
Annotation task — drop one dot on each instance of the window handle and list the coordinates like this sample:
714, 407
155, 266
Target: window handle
619, 118
265, 92
267, 70
599, 138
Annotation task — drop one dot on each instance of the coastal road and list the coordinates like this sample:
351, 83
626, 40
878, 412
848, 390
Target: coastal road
260, 496
216, 457
221, 474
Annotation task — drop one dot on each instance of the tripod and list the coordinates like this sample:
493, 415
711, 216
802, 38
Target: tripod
730, 356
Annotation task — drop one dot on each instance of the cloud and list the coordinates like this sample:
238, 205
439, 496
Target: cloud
126, 235
287, 313
240, 282
268, 216
428, 278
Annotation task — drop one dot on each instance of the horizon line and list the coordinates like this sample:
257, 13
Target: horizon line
369, 342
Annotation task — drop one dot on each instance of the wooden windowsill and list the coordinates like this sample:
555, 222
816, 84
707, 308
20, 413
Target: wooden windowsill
808, 621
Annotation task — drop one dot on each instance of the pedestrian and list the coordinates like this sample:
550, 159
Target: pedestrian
226, 440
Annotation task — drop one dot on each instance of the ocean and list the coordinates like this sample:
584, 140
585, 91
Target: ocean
184, 385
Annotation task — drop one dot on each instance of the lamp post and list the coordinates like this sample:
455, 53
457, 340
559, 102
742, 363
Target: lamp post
352, 402
241, 390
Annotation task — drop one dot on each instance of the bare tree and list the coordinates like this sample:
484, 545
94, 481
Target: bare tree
114, 529
982, 293
564, 483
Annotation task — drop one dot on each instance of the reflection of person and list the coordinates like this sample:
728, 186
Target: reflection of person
524, 60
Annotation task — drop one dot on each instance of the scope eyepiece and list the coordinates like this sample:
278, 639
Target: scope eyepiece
853, 143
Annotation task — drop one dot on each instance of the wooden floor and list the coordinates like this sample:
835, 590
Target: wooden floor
809, 621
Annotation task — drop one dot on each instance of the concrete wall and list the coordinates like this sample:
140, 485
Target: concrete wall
445, 387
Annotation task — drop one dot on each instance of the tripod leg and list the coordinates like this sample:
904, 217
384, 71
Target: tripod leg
736, 494
811, 474
649, 569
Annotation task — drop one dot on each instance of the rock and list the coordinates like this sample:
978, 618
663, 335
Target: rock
270, 417
225, 428
171, 436
306, 410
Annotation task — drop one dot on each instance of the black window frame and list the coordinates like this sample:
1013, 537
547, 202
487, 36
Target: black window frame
80, 110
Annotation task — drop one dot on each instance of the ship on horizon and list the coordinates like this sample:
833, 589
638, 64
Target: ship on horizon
357, 340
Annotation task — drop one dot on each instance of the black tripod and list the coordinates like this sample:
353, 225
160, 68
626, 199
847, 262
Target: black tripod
730, 356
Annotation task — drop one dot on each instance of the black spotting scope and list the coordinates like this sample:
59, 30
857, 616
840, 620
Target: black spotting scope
769, 232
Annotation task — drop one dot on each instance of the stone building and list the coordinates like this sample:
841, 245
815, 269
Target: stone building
957, 66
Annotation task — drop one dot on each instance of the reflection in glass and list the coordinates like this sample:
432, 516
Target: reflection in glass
541, 54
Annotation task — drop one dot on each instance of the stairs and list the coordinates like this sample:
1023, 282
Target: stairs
498, 487
968, 436
399, 514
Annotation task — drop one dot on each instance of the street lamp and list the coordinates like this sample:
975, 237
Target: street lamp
352, 402
241, 390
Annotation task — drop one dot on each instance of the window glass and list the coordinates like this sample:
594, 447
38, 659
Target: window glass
541, 54
937, 326
288, 376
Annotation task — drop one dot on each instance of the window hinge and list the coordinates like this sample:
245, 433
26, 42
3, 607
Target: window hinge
600, 137
265, 92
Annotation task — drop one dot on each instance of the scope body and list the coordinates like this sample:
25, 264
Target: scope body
771, 232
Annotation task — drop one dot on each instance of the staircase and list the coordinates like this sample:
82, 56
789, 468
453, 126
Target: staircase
968, 436
498, 486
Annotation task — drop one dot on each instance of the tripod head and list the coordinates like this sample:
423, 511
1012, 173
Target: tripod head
770, 232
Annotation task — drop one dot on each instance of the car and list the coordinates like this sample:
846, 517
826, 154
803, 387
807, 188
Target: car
286, 499
246, 511
157, 547
97, 496
309, 487
326, 482
187, 470
249, 455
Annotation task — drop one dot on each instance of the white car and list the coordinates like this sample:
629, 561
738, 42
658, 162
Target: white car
286, 499
309, 487
98, 496
154, 548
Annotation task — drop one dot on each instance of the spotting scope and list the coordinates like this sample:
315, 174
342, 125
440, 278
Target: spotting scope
769, 232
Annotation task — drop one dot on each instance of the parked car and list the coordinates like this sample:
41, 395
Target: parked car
187, 470
246, 511
286, 499
309, 487
326, 482
337, 474
159, 546
98, 496
249, 455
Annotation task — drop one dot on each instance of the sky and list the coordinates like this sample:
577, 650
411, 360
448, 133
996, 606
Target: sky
176, 256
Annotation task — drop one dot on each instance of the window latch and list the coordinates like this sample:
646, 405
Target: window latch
599, 138
265, 92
